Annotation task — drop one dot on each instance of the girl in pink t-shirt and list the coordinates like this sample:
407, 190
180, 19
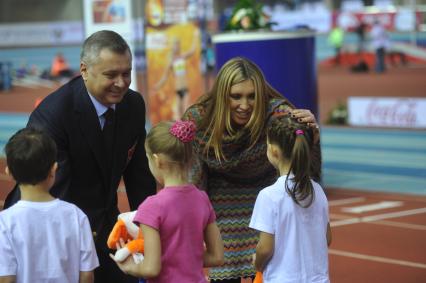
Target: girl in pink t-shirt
178, 223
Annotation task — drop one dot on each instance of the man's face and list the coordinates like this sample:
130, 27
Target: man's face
109, 78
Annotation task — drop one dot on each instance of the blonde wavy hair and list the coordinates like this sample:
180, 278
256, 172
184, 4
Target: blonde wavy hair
217, 118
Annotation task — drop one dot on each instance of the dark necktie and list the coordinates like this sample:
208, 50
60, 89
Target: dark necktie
108, 135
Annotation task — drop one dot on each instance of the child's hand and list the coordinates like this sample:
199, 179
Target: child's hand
127, 266
122, 252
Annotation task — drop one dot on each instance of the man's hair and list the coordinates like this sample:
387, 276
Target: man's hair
30, 154
104, 39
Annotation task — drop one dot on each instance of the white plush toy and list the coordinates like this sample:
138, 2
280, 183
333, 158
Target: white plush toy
131, 234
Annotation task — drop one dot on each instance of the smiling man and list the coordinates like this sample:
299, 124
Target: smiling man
98, 124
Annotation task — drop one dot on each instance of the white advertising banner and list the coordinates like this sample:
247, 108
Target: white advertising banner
401, 112
41, 34
108, 14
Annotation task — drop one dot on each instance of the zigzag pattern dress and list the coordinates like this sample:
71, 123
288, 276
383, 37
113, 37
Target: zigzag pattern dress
233, 186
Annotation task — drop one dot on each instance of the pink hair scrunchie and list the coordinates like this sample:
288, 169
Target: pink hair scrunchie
183, 130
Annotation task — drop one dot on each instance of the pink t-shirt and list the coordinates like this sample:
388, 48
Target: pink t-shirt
180, 214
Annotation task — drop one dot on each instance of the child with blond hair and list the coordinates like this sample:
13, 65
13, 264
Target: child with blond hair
178, 223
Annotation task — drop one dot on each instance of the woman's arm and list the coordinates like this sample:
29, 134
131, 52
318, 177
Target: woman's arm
191, 50
264, 250
213, 256
165, 74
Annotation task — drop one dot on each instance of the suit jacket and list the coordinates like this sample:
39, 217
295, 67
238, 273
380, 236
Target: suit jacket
69, 117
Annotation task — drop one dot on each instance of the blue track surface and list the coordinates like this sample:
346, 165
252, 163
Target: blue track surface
375, 159
367, 159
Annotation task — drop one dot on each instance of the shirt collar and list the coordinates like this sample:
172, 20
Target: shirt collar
100, 108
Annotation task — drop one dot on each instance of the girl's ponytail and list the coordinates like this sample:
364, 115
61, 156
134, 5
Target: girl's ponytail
295, 141
300, 164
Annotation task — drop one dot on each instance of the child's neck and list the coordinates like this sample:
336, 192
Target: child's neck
171, 179
283, 167
36, 193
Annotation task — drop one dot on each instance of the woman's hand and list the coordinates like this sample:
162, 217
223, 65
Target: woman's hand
306, 116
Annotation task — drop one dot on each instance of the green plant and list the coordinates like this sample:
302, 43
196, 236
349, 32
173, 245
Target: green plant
248, 15
338, 115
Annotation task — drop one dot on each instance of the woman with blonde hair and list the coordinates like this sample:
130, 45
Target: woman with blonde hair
232, 166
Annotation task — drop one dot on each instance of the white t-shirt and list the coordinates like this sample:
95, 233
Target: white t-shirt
379, 37
45, 242
301, 251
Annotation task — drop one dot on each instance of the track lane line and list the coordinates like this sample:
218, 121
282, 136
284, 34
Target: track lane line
345, 201
377, 217
377, 258
384, 222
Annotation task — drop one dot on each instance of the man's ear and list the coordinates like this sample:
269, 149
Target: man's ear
6, 170
83, 70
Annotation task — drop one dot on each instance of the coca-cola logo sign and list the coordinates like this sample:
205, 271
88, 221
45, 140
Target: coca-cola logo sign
400, 112
387, 112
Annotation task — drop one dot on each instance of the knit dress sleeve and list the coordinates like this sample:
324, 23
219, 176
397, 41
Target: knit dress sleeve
199, 170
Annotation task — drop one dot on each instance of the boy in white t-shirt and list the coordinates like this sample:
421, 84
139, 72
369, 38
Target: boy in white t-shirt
42, 239
291, 214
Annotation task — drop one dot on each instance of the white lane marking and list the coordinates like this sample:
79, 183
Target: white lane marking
382, 222
394, 214
345, 222
338, 216
377, 217
377, 259
401, 225
345, 201
374, 206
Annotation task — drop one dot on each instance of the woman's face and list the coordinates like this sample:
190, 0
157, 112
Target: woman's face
241, 101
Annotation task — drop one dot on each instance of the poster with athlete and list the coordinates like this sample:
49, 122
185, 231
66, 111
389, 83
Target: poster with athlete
173, 55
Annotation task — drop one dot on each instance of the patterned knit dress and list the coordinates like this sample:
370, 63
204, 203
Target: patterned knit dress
233, 185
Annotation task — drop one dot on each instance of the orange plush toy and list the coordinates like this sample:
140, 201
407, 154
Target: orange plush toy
258, 278
131, 234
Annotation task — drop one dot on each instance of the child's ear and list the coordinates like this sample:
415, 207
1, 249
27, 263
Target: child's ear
276, 152
53, 169
6, 170
157, 160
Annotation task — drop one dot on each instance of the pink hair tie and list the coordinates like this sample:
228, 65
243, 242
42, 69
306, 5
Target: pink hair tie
299, 132
183, 130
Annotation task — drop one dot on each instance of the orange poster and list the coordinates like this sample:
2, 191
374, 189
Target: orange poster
173, 68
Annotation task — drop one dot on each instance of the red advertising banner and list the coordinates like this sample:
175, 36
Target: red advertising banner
398, 20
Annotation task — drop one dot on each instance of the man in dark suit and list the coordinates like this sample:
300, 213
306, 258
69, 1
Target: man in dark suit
94, 149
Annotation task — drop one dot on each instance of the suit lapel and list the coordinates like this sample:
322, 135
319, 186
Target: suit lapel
121, 125
90, 127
